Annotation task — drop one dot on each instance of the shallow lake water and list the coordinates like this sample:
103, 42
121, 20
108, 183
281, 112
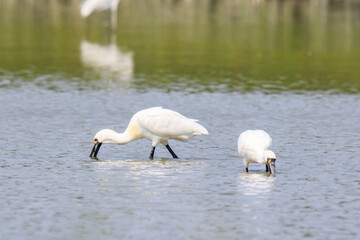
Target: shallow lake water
55, 98
52, 189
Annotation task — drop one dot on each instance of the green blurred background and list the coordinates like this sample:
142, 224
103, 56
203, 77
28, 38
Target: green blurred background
195, 45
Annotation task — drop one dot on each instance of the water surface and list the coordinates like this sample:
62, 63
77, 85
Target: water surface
51, 189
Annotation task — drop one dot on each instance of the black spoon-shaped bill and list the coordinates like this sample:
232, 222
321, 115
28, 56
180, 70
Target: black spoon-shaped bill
95, 149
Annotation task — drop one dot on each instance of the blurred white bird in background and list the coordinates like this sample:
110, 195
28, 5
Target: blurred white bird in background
89, 6
156, 124
253, 147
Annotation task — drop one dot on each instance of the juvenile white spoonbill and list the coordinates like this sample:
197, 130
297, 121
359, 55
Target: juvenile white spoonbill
156, 124
253, 147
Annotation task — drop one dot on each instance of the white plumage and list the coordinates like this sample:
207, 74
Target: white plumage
253, 147
89, 6
156, 124
113, 65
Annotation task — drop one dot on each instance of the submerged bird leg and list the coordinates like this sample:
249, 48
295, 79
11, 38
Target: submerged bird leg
267, 168
152, 153
171, 151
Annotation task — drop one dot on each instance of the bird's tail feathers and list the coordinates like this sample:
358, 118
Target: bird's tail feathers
201, 130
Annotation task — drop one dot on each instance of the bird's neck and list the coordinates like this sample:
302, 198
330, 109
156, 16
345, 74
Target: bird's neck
121, 138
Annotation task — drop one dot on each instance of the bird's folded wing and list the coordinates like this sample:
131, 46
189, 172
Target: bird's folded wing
167, 125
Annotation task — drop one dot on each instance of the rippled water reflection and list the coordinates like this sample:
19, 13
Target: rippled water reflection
255, 183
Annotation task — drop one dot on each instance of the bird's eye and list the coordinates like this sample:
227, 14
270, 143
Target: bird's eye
95, 140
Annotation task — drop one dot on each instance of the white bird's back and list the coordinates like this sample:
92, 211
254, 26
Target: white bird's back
168, 124
252, 144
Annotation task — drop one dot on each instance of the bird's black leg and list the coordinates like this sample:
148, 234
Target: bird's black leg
267, 168
171, 151
246, 169
152, 153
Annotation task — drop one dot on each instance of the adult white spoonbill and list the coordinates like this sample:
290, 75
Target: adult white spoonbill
253, 147
90, 6
156, 124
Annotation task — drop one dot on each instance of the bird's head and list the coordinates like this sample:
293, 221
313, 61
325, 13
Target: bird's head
270, 160
99, 138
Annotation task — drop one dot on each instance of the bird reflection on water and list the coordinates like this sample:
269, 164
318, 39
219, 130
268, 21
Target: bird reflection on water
256, 183
146, 175
114, 66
